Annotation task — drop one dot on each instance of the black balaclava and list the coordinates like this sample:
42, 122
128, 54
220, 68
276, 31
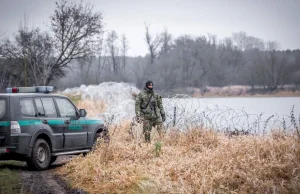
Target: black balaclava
147, 84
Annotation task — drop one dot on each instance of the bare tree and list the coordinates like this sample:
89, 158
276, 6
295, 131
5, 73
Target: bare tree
212, 39
153, 44
271, 61
73, 31
30, 50
139, 71
85, 67
113, 48
124, 49
272, 67
166, 41
295, 75
75, 28
102, 57
245, 42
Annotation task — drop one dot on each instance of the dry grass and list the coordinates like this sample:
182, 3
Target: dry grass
93, 107
198, 161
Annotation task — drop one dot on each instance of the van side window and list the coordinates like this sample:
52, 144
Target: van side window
27, 107
66, 108
2, 108
49, 107
40, 108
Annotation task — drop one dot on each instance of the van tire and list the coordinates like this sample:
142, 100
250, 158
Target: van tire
40, 157
53, 159
95, 140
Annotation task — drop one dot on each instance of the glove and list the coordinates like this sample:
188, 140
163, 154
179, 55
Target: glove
163, 116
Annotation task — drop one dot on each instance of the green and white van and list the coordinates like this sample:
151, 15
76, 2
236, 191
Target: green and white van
36, 126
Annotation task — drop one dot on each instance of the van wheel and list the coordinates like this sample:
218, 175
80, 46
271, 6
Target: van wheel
53, 159
97, 135
41, 155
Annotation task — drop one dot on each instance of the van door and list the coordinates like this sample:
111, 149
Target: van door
47, 113
75, 131
4, 122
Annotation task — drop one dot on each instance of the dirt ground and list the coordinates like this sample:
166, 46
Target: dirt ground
44, 182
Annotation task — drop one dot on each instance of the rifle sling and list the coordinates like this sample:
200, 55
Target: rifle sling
148, 102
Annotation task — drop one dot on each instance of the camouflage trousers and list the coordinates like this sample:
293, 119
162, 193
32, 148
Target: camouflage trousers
147, 127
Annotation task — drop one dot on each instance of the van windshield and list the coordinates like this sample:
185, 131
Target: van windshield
2, 108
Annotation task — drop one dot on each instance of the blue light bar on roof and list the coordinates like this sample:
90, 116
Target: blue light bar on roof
45, 89
33, 89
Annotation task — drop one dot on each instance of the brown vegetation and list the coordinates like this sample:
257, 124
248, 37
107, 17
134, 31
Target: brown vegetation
93, 107
243, 91
197, 161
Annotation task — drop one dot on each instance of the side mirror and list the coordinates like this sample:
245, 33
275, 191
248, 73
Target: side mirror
82, 113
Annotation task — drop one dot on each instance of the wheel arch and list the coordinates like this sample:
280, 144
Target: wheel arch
42, 134
97, 129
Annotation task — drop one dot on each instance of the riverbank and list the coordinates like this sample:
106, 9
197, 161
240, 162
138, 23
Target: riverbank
233, 91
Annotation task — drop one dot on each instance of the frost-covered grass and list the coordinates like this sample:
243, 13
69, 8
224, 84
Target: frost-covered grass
195, 161
116, 99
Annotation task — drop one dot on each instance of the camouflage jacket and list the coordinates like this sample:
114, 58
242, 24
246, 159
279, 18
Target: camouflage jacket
154, 110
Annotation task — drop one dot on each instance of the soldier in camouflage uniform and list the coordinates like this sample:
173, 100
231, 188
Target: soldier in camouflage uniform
149, 107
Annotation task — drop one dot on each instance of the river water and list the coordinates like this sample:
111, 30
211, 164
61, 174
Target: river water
238, 113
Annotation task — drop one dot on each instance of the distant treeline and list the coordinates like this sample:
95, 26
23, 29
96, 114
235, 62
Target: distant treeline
76, 51
197, 62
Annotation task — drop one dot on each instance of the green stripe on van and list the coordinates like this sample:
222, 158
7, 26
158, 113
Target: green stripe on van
56, 122
53, 122
4, 123
39, 122
94, 122
75, 127
29, 122
78, 122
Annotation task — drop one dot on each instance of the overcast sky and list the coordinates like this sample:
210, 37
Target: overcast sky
267, 19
